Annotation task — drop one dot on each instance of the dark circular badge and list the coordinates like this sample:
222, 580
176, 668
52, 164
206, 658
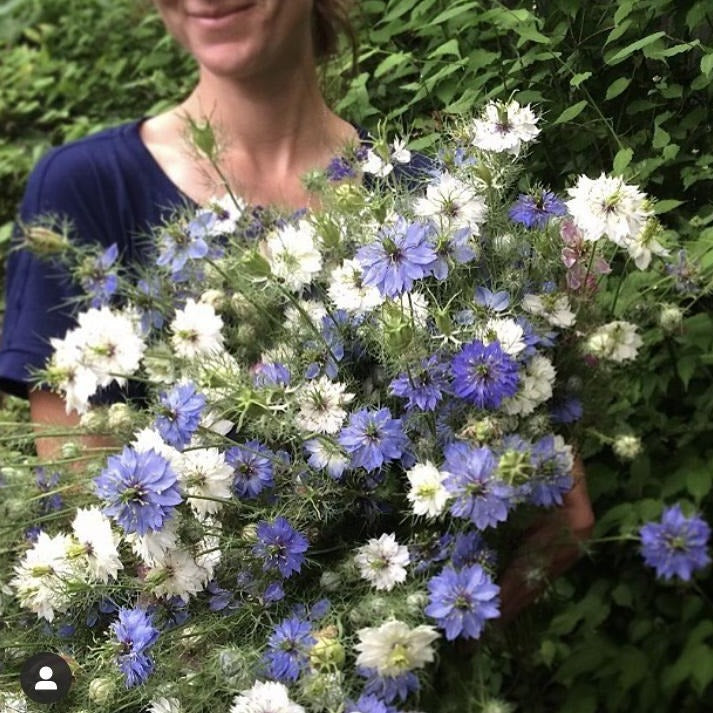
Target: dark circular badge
46, 678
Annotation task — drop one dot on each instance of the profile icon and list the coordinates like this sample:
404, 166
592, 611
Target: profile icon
46, 678
45, 683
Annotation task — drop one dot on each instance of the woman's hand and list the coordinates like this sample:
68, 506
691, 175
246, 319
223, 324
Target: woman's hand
550, 547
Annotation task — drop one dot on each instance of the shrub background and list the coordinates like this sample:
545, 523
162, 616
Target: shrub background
624, 86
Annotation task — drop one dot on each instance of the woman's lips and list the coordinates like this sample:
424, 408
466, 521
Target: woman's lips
217, 20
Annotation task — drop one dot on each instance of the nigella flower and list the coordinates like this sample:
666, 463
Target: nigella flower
47, 482
423, 387
469, 548
479, 496
220, 599
536, 210
373, 438
253, 465
98, 279
340, 168
685, 272
274, 592
484, 375
328, 455
146, 301
453, 247
289, 646
553, 462
676, 546
179, 245
462, 600
135, 634
272, 374
181, 414
368, 703
568, 410
280, 546
402, 254
140, 489
495, 301
431, 552
389, 688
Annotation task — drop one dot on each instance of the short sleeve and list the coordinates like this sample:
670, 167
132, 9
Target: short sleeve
40, 294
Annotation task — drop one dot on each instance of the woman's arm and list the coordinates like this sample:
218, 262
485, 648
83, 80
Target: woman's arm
551, 546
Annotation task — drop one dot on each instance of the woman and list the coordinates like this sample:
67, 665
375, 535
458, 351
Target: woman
259, 86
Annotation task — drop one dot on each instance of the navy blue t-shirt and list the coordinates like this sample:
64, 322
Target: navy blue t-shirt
111, 190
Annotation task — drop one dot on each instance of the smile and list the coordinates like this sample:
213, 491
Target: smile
220, 18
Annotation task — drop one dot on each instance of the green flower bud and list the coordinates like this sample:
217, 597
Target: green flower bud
515, 467
671, 318
627, 446
101, 690
43, 241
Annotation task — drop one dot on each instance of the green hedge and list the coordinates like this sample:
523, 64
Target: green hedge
623, 85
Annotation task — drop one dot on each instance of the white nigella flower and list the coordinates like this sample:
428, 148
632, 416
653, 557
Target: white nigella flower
505, 127
627, 446
208, 549
454, 202
428, 494
98, 543
147, 439
616, 341
394, 648
177, 575
383, 562
413, 305
506, 331
113, 345
40, 580
228, 210
293, 255
606, 206
535, 388
265, 697
69, 374
399, 152
153, 547
203, 473
196, 330
165, 705
349, 293
553, 307
296, 318
376, 165
12, 703
646, 244
321, 403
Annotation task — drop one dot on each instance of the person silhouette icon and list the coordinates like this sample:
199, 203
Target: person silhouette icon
46, 684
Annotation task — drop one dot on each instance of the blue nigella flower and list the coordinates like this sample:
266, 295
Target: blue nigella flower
469, 548
327, 455
369, 704
536, 210
484, 375
140, 489
685, 272
98, 280
495, 301
170, 612
423, 387
146, 300
677, 545
178, 246
340, 168
320, 609
47, 482
289, 646
220, 599
253, 468
553, 477
280, 546
453, 247
181, 414
568, 410
135, 634
373, 438
402, 254
429, 553
479, 496
274, 592
272, 374
389, 688
462, 600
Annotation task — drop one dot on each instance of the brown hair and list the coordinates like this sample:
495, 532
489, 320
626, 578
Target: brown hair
331, 21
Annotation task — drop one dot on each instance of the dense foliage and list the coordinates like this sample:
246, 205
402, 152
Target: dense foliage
629, 85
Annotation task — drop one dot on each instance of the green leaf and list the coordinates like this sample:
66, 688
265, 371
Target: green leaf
707, 64
622, 160
617, 87
570, 113
579, 78
665, 206
393, 60
627, 51
699, 482
447, 48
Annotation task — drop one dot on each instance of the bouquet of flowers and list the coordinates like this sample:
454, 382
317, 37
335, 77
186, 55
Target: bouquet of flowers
342, 422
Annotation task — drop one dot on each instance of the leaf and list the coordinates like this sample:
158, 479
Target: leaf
665, 206
579, 78
390, 62
699, 482
627, 51
622, 160
707, 64
617, 87
570, 113
447, 48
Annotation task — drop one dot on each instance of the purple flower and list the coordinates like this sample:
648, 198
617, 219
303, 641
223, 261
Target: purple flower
535, 210
369, 704
97, 278
389, 688
181, 414
495, 301
402, 254
289, 646
452, 247
141, 490
273, 374
135, 633
469, 548
567, 411
328, 455
552, 478
340, 168
461, 600
428, 553
676, 546
372, 438
274, 592
479, 496
220, 599
280, 546
46, 483
685, 272
484, 375
320, 609
253, 468
145, 300
423, 388
178, 246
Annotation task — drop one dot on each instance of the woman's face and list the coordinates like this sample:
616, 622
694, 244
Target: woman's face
242, 38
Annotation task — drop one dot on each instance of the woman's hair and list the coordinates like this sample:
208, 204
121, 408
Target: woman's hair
331, 21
